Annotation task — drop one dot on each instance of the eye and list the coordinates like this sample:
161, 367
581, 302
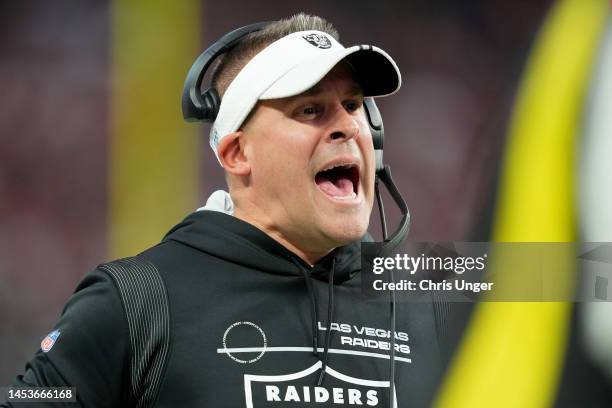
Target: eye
353, 105
308, 111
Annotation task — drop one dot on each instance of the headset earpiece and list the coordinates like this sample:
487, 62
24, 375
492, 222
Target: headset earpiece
202, 108
377, 129
210, 104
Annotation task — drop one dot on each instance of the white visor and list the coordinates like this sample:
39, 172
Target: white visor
293, 65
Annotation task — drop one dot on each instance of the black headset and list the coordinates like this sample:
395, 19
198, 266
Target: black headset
203, 106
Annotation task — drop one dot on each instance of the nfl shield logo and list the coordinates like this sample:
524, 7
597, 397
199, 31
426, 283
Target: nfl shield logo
49, 341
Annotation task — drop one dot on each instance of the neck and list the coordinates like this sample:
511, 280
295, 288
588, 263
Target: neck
265, 225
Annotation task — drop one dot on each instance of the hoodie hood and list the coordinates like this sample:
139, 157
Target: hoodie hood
239, 242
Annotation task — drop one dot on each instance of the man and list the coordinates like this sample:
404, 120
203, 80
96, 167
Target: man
255, 300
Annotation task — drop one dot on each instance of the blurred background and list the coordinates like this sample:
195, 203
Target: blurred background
96, 162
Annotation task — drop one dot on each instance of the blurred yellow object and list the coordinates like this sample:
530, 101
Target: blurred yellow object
512, 353
153, 154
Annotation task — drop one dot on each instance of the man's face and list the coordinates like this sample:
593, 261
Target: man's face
312, 164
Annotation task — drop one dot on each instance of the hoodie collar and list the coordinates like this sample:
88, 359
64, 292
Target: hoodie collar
239, 242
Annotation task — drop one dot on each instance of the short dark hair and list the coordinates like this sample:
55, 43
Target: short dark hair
234, 60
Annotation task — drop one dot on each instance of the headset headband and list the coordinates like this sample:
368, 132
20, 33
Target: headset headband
194, 101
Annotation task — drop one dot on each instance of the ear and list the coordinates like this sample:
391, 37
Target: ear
232, 155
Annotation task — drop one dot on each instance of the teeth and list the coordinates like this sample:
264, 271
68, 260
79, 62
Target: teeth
346, 197
347, 166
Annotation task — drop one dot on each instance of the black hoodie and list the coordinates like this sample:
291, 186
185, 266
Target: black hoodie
221, 315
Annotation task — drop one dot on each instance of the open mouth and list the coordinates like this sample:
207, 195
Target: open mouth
340, 182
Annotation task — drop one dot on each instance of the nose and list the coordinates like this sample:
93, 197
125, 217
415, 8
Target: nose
343, 126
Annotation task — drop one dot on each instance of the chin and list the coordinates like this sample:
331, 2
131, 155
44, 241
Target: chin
344, 230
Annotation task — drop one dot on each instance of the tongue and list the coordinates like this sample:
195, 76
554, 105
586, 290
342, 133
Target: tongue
338, 187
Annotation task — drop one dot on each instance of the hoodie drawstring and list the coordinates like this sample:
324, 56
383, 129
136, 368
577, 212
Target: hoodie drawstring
381, 209
392, 353
330, 316
314, 314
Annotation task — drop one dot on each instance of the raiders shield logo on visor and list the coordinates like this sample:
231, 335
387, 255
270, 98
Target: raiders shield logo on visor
318, 40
